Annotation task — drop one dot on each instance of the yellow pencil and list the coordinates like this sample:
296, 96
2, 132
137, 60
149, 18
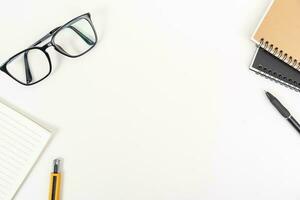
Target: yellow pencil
55, 180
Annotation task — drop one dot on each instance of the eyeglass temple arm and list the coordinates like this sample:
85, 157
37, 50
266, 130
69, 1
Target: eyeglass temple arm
83, 36
27, 68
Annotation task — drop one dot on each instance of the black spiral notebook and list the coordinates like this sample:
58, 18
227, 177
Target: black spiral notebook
279, 34
270, 66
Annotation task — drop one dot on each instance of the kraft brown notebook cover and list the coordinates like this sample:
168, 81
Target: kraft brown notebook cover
279, 31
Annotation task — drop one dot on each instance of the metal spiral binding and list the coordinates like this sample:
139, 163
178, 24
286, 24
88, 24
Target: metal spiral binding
279, 54
269, 77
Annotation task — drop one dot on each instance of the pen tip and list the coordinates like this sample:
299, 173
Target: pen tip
266, 92
270, 96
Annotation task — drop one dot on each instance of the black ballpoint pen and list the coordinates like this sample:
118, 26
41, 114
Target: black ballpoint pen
283, 111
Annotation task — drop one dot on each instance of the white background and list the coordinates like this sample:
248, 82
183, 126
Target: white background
163, 108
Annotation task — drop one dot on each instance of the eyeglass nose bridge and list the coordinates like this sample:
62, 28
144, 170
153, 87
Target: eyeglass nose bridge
46, 46
56, 47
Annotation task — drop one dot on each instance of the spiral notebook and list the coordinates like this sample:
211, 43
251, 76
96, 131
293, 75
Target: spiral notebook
21, 143
279, 34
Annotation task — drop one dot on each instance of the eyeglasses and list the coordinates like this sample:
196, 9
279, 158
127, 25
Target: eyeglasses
33, 64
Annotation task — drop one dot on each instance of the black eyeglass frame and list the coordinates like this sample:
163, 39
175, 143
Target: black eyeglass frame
51, 34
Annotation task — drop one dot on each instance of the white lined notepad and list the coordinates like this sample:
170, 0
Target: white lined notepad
21, 143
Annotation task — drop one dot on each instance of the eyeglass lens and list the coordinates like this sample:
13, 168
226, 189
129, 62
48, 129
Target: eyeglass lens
75, 39
36, 61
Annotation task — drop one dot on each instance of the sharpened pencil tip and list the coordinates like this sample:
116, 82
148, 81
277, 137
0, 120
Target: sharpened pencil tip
56, 165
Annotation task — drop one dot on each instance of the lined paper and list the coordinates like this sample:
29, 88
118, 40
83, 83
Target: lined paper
21, 143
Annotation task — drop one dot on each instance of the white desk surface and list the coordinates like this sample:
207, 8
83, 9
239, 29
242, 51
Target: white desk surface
163, 108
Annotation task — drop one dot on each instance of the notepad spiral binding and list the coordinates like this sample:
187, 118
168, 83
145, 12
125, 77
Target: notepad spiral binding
279, 54
286, 83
